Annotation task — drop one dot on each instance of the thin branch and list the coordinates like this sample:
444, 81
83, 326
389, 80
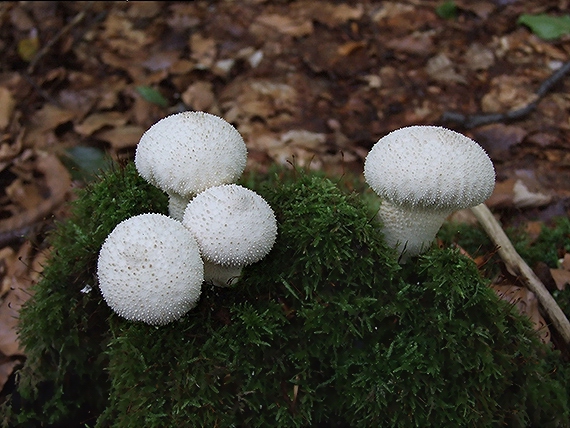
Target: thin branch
472, 121
517, 266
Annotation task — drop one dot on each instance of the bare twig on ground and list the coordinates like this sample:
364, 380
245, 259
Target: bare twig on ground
517, 266
472, 121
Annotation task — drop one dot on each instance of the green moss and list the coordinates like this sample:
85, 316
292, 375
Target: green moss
64, 330
549, 247
327, 330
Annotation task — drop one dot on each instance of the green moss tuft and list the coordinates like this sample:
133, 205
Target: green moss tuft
327, 330
64, 330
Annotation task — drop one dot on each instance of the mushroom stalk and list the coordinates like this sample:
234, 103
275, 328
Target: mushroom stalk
517, 266
410, 230
177, 205
222, 276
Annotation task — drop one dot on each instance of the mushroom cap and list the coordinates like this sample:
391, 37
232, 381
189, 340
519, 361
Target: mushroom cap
150, 269
429, 167
234, 226
185, 153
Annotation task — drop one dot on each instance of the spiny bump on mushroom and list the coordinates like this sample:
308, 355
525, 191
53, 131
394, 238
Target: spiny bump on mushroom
150, 269
233, 225
424, 173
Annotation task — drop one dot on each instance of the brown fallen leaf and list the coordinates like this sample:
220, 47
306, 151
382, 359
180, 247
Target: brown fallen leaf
23, 270
508, 93
566, 262
7, 104
527, 304
283, 24
561, 278
521, 191
502, 195
97, 121
441, 69
6, 257
332, 15
121, 137
204, 51
42, 122
199, 96
420, 43
58, 184
9, 150
24, 194
498, 139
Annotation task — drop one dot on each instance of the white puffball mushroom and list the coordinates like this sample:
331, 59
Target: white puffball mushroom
150, 269
423, 174
234, 227
185, 153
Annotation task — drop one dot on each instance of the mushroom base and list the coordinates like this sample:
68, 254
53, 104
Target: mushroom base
222, 276
409, 230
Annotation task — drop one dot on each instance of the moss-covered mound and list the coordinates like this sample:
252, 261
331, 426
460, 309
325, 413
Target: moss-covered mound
64, 325
328, 330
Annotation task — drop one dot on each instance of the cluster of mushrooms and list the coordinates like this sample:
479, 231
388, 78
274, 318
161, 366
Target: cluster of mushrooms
151, 267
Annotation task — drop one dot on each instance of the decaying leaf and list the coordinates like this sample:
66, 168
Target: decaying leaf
520, 191
561, 278
442, 69
561, 275
15, 280
7, 104
43, 122
57, 182
97, 121
285, 24
498, 139
121, 137
22, 269
527, 304
508, 93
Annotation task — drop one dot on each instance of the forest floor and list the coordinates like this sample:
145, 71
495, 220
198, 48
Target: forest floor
311, 83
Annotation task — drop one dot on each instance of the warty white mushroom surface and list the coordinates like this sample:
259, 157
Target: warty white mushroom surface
150, 269
234, 227
422, 174
185, 153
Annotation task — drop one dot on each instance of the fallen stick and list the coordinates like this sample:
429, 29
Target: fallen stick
473, 121
518, 267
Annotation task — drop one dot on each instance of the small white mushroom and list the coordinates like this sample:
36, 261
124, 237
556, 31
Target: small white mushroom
423, 174
234, 227
150, 269
185, 153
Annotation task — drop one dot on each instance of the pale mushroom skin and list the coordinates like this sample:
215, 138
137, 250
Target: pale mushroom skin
150, 269
234, 227
423, 174
185, 153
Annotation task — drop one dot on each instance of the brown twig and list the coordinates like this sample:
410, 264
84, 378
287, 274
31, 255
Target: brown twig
472, 121
518, 267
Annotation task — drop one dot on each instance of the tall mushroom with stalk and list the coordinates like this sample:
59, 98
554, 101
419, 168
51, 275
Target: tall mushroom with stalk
423, 174
234, 227
185, 153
